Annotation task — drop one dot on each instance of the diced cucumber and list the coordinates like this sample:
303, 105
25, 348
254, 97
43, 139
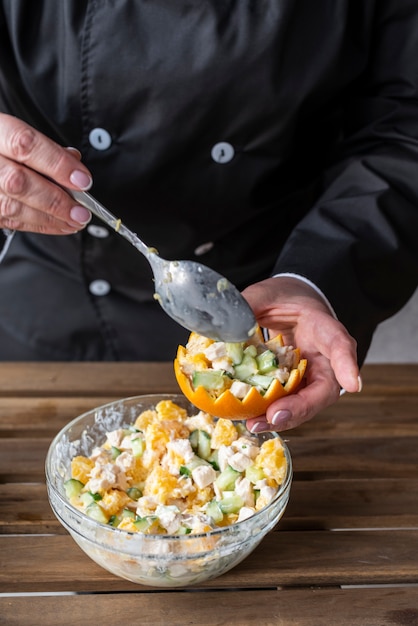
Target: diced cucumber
235, 351
194, 439
260, 380
266, 361
242, 429
231, 504
73, 488
88, 497
250, 350
134, 493
138, 446
211, 380
128, 513
200, 441
184, 471
114, 520
131, 429
195, 462
248, 367
183, 530
204, 445
144, 523
214, 511
254, 474
226, 479
96, 512
213, 459
115, 452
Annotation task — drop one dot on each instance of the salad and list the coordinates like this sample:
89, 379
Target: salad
237, 380
171, 473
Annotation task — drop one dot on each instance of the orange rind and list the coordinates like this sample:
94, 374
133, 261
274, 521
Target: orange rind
225, 404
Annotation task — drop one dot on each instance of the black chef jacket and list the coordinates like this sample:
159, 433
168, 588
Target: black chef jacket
255, 136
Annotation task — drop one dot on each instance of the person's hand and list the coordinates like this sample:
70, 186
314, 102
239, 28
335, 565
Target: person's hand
29, 165
291, 307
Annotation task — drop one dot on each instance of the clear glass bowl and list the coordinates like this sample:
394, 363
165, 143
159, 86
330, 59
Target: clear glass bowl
156, 560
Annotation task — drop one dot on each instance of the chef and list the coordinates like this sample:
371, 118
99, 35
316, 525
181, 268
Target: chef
275, 141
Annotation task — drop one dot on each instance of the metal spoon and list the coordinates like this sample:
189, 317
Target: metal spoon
192, 294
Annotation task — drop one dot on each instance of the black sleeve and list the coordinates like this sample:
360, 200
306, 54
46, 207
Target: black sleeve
359, 243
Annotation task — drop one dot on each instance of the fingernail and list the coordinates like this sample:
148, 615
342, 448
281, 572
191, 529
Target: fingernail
80, 215
360, 384
75, 151
260, 427
281, 417
70, 231
81, 180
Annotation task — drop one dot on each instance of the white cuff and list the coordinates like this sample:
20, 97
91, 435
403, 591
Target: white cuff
311, 284
8, 236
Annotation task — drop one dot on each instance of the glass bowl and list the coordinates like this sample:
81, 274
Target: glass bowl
155, 560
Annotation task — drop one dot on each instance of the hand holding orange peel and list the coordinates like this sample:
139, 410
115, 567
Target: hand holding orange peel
237, 381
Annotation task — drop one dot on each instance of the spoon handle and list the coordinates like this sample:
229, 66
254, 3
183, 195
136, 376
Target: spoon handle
86, 200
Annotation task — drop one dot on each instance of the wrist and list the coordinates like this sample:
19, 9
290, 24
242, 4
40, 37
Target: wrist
309, 285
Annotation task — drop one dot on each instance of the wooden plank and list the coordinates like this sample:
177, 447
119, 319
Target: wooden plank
33, 399
317, 558
307, 607
365, 417
399, 379
43, 417
25, 509
124, 379
351, 503
22, 459
354, 458
91, 379
314, 505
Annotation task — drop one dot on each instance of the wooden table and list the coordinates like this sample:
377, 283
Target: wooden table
345, 552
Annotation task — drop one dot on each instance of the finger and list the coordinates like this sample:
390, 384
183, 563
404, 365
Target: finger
23, 144
299, 408
343, 360
303, 405
320, 390
17, 216
333, 341
30, 202
260, 425
75, 152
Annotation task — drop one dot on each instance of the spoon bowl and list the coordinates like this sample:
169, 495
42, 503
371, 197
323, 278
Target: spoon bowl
194, 295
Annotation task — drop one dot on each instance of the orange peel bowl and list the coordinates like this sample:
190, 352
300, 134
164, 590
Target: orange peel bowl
227, 405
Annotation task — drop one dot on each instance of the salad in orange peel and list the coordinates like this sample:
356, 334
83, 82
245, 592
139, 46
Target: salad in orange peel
237, 380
